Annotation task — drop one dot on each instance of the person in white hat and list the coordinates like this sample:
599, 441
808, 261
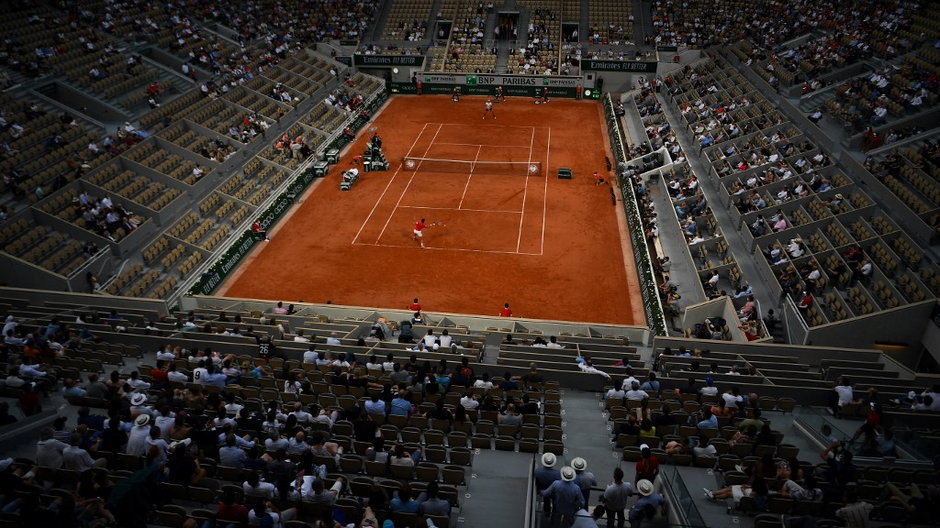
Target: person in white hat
567, 498
545, 475
139, 405
647, 506
137, 444
584, 478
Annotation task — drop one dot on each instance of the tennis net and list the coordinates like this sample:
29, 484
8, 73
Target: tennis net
520, 168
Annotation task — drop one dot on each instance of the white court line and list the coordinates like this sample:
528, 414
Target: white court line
452, 209
548, 153
493, 126
469, 177
481, 145
451, 249
387, 185
439, 127
525, 191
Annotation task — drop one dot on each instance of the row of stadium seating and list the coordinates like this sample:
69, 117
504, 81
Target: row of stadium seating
827, 222
912, 177
815, 57
856, 100
611, 22
707, 243
142, 187
407, 20
776, 369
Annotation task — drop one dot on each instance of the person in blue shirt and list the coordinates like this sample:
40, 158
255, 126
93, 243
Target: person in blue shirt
375, 406
443, 379
214, 377
647, 505
567, 497
70, 389
404, 501
545, 475
508, 383
709, 421
744, 292
401, 405
651, 384
51, 328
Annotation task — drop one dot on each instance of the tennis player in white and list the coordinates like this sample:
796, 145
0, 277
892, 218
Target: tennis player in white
488, 109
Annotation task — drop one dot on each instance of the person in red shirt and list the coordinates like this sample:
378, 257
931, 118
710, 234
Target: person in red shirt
414, 306
805, 302
230, 511
29, 400
259, 233
159, 373
505, 312
648, 465
419, 232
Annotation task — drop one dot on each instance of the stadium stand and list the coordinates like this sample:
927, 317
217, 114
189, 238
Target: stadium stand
611, 22
131, 151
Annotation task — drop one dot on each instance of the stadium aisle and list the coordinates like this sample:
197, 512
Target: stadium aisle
633, 123
496, 494
587, 428
742, 253
673, 242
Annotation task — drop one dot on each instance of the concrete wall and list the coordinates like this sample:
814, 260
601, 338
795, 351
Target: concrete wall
804, 354
906, 324
28, 275
720, 307
101, 264
153, 308
931, 340
636, 334
73, 98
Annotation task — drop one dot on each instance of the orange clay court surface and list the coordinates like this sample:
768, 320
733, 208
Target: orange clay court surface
554, 249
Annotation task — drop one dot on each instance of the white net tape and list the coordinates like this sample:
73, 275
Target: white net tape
528, 168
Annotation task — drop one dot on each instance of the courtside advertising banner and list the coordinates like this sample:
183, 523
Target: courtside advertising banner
513, 85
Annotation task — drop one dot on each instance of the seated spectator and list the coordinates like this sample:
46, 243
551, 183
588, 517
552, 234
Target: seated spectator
587, 365
845, 394
757, 490
615, 393
856, 511
431, 504
708, 421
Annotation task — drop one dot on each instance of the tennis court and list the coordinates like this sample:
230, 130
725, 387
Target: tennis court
554, 249
476, 192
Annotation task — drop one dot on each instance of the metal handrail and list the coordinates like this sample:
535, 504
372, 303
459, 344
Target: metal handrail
530, 516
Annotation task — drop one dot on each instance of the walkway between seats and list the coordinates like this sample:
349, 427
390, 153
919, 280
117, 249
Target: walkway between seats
496, 492
711, 188
586, 427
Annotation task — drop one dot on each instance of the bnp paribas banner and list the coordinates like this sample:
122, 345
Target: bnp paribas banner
526, 81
